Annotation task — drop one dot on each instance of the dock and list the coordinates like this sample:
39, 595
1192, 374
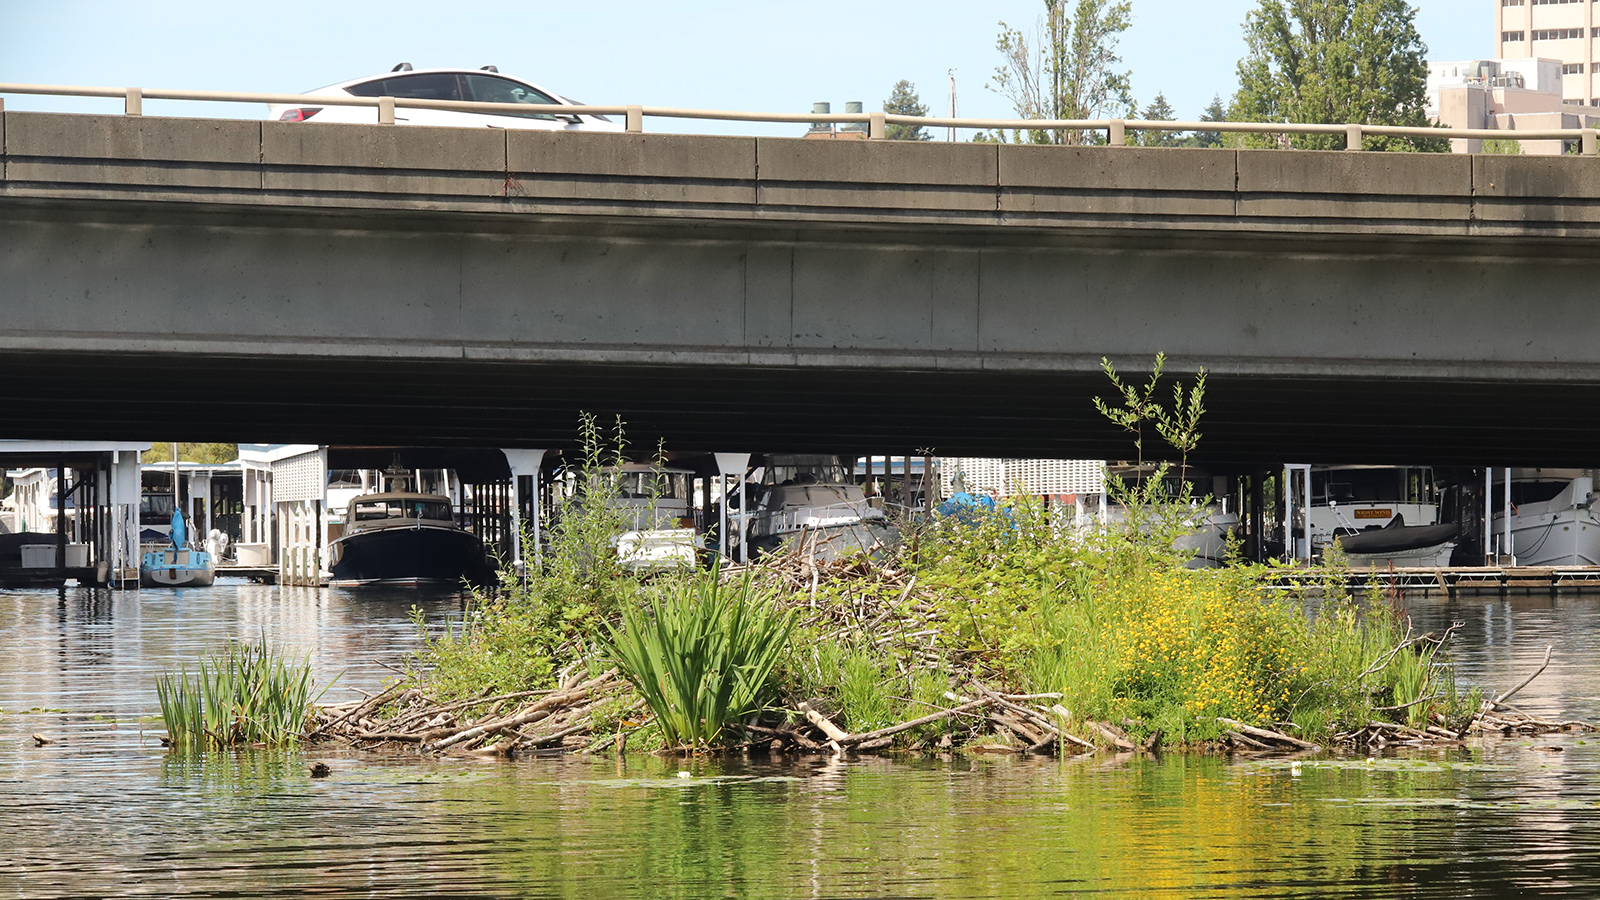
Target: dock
1453, 580
258, 574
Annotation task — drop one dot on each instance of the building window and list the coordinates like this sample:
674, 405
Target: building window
1557, 34
1546, 2
1510, 2
1572, 69
1513, 37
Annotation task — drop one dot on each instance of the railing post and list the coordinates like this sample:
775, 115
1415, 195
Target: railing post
385, 110
635, 120
1117, 134
877, 127
134, 102
1353, 137
1591, 146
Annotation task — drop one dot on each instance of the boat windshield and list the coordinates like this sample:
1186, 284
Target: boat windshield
804, 470
659, 485
373, 510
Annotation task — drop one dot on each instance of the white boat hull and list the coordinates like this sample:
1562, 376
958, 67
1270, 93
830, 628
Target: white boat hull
1563, 531
1566, 538
1434, 557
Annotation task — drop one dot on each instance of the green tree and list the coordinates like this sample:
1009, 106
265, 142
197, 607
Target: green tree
1067, 68
1502, 147
1334, 62
903, 101
1159, 110
196, 453
1216, 112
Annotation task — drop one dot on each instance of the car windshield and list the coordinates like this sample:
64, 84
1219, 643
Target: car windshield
373, 510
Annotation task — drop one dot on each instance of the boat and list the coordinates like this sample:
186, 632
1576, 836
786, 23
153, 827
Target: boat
1209, 521
1380, 516
659, 530
812, 495
404, 538
1553, 517
178, 564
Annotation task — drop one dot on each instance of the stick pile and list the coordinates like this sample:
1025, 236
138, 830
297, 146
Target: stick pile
517, 722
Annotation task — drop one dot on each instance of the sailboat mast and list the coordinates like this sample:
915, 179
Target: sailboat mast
177, 493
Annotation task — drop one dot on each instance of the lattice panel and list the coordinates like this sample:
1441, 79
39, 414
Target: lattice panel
303, 477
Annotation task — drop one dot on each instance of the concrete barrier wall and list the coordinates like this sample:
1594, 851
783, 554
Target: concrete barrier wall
778, 180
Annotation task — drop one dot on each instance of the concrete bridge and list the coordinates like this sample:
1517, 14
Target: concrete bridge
239, 280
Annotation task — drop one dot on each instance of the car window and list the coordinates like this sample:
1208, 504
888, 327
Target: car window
489, 89
424, 86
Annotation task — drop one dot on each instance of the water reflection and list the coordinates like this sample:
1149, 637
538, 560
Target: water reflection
106, 810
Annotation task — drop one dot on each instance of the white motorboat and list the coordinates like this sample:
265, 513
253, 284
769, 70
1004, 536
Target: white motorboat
1382, 516
659, 526
814, 496
1553, 517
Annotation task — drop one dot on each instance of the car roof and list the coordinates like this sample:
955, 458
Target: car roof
340, 86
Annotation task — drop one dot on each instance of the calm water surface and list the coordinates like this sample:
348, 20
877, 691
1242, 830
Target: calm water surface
105, 811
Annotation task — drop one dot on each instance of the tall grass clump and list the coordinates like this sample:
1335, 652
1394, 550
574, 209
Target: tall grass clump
701, 654
245, 694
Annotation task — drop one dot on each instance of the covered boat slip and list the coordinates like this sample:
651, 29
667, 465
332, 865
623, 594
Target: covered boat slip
72, 513
297, 498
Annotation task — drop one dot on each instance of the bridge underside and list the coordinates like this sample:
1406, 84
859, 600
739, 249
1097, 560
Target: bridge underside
239, 281
1249, 420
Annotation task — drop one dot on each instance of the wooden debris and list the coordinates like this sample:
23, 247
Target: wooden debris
1268, 735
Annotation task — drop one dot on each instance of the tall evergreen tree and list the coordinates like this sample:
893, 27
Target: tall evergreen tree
1159, 110
903, 101
1067, 68
1215, 112
1334, 62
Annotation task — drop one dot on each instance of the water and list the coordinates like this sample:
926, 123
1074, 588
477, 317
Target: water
105, 811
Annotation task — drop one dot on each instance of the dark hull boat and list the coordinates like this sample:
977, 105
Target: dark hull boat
405, 538
408, 554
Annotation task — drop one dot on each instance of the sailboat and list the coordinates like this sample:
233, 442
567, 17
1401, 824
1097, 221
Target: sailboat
178, 565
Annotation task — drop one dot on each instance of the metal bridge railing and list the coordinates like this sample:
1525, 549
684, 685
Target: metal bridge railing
877, 123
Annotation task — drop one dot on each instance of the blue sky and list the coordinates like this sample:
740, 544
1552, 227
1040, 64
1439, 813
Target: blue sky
700, 53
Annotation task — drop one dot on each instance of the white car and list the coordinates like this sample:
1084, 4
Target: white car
485, 85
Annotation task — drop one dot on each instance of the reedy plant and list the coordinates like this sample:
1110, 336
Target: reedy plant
701, 654
245, 694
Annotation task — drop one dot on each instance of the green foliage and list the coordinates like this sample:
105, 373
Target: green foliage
246, 694
556, 601
903, 101
1215, 112
1502, 147
1067, 68
214, 454
1159, 110
701, 655
1334, 62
